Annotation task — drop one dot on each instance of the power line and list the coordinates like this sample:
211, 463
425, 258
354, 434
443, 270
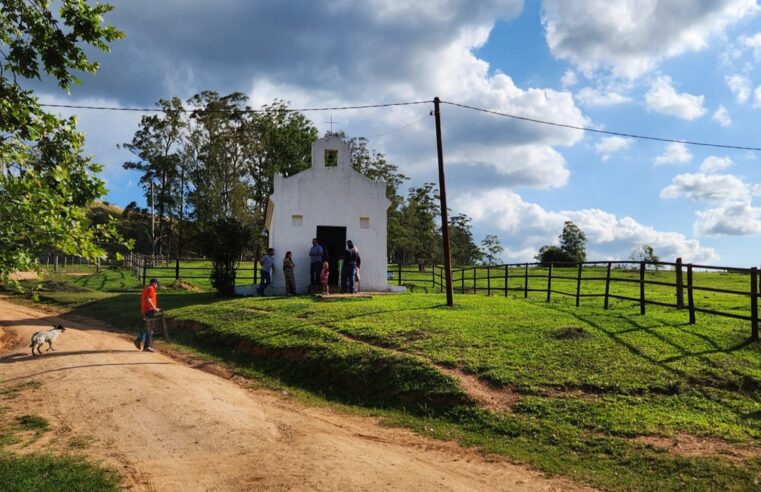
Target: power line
605, 132
410, 103
247, 110
400, 128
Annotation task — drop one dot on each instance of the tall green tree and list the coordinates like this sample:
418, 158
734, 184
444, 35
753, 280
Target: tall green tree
45, 182
573, 241
158, 145
491, 248
463, 249
421, 242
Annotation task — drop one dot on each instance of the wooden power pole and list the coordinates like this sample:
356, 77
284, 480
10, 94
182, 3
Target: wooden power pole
443, 198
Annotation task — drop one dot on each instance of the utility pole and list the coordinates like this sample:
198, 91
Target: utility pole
153, 224
443, 198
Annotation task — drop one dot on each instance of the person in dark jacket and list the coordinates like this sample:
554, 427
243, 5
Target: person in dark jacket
349, 268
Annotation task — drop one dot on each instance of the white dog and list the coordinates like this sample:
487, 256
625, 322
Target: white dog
46, 336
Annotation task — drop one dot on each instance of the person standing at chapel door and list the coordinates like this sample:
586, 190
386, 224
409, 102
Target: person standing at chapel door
290, 277
268, 266
315, 263
349, 268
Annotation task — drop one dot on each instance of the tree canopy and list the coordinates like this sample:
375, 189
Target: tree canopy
46, 183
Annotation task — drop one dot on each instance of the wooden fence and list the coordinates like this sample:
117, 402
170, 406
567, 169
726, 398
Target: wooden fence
472, 280
145, 267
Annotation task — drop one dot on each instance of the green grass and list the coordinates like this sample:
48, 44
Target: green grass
33, 472
589, 380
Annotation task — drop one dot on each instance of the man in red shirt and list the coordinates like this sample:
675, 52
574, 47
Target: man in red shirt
149, 308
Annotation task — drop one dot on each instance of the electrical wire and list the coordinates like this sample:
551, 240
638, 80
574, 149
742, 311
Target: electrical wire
410, 103
605, 132
398, 129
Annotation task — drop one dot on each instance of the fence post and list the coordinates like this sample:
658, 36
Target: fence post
176, 268
690, 299
55, 265
144, 270
578, 286
607, 286
433, 277
754, 303
642, 267
399, 272
507, 277
256, 272
549, 283
525, 282
475, 287
488, 280
679, 285
462, 280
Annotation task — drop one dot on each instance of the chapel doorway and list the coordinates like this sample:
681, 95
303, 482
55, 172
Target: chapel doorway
333, 242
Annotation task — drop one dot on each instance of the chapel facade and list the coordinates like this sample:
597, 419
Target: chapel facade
334, 203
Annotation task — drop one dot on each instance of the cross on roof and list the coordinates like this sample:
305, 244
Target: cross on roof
331, 123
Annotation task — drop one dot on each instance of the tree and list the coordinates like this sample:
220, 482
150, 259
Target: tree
463, 250
553, 255
421, 239
491, 248
224, 242
157, 144
572, 247
573, 241
45, 182
645, 253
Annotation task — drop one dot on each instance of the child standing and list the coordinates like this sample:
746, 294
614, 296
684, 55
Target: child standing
324, 275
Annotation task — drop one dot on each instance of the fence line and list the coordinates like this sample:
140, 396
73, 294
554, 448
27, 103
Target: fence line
466, 280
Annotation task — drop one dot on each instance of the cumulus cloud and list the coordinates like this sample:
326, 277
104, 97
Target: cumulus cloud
733, 220
721, 116
756, 191
589, 96
740, 87
675, 153
700, 187
663, 98
609, 145
757, 97
524, 227
713, 163
631, 37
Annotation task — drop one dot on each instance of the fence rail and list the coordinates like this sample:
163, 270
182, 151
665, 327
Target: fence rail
586, 280
525, 278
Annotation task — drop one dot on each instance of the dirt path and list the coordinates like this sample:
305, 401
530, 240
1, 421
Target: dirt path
168, 427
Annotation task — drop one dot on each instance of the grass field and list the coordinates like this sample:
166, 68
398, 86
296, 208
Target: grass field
593, 388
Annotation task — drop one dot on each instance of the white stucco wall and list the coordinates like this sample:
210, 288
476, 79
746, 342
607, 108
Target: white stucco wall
328, 196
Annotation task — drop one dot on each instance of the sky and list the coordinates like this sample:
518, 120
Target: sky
684, 70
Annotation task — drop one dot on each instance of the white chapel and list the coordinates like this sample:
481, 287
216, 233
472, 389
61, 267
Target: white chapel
334, 203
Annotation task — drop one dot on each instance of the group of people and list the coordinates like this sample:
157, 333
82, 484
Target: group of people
319, 274
319, 269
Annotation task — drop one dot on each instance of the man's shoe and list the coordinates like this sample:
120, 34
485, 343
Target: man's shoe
136, 341
147, 349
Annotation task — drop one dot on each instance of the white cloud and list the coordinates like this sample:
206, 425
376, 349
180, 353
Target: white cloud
631, 37
740, 87
733, 220
569, 78
756, 190
757, 97
675, 153
526, 226
721, 115
699, 187
589, 96
753, 43
713, 163
663, 98
610, 145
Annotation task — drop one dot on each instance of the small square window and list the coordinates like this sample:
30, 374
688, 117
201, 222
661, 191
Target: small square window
364, 222
331, 158
297, 220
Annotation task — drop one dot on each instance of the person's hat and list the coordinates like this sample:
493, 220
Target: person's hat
154, 281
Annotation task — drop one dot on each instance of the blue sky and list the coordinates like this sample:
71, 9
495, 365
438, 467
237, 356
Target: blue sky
685, 70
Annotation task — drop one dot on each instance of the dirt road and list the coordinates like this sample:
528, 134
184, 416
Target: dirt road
168, 427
